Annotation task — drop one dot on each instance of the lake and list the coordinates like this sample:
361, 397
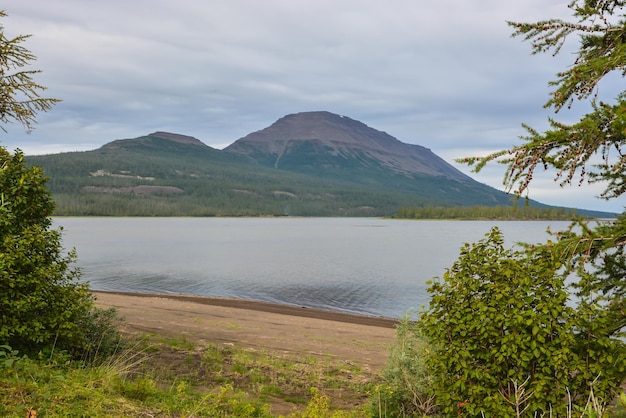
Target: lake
358, 265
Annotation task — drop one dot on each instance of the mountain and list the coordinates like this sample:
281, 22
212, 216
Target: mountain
147, 140
305, 164
311, 141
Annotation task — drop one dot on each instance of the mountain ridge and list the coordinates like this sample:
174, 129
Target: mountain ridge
305, 164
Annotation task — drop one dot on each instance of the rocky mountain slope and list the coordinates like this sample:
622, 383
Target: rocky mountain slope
302, 139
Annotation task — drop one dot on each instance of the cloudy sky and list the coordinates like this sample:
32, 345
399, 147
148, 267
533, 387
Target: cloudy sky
443, 74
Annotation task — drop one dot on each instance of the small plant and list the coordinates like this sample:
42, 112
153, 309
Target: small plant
319, 407
140, 388
407, 384
8, 357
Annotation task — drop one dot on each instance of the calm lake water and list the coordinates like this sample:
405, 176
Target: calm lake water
360, 265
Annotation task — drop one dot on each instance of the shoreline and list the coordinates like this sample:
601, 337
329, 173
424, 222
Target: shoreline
320, 346
267, 307
283, 330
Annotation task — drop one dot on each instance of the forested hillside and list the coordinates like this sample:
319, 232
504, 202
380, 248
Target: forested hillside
154, 176
165, 174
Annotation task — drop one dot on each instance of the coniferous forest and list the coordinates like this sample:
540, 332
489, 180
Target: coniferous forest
154, 176
513, 212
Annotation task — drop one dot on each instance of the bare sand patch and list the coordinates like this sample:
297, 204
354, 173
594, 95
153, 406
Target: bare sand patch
281, 329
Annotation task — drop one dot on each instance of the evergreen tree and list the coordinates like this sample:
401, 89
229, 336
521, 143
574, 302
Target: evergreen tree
506, 338
43, 304
592, 149
20, 98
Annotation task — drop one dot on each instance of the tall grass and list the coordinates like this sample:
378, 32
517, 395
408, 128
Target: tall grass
58, 386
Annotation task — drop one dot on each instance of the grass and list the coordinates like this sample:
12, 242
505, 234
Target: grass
172, 378
160, 378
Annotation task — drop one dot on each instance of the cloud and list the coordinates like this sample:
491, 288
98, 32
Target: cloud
444, 74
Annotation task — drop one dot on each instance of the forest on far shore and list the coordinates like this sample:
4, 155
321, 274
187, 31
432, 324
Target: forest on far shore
514, 212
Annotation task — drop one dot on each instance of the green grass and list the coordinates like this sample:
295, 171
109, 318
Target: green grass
159, 379
156, 378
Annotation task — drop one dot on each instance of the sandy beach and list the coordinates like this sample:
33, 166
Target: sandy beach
282, 329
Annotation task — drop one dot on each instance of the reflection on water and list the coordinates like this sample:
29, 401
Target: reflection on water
361, 265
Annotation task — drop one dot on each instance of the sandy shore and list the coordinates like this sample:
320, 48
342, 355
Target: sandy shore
283, 329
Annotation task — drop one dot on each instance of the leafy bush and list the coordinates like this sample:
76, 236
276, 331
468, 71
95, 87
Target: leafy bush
101, 336
42, 302
506, 340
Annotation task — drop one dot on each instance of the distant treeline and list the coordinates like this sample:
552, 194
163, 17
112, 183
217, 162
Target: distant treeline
486, 212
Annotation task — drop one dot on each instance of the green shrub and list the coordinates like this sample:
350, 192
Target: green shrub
43, 305
506, 340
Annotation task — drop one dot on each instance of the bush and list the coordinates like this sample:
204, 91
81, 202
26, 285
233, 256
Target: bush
42, 302
506, 340
407, 385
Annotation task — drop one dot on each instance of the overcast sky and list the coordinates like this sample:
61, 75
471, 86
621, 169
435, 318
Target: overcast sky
443, 74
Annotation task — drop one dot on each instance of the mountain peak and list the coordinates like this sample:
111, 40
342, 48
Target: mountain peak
323, 138
318, 125
182, 139
165, 139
